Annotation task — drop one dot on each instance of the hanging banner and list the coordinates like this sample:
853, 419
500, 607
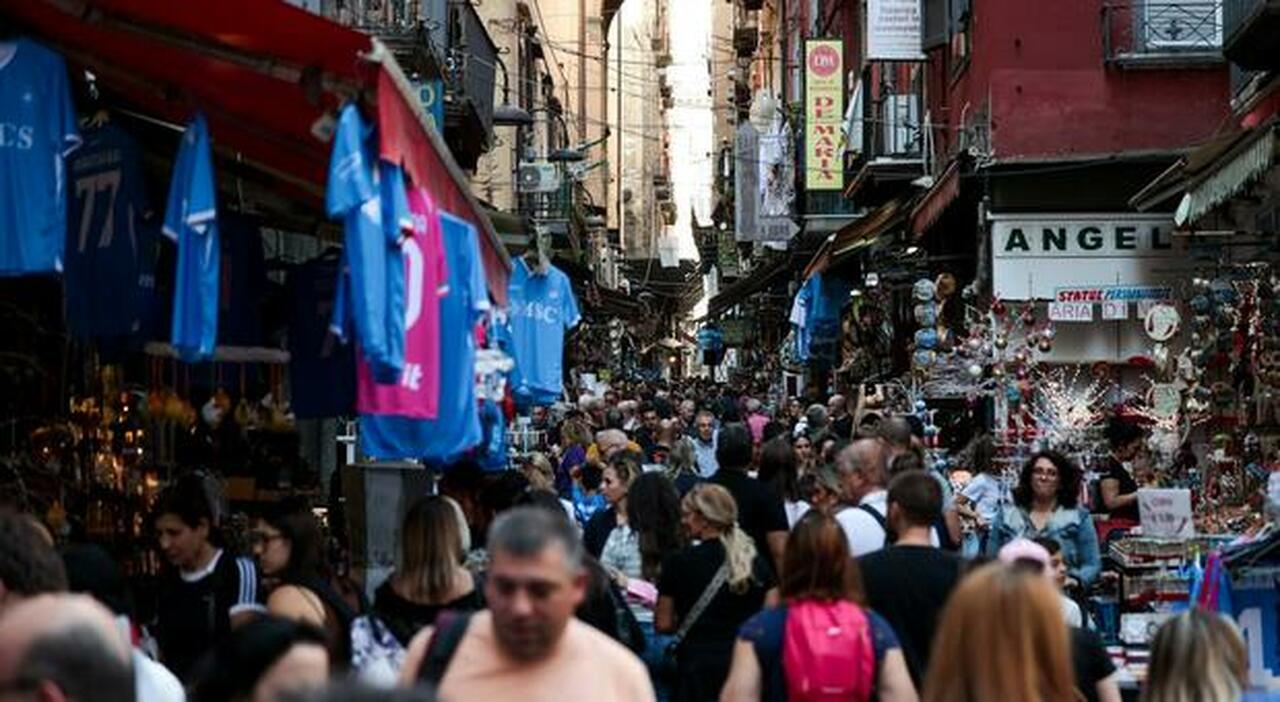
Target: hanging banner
894, 30
727, 257
746, 182
824, 114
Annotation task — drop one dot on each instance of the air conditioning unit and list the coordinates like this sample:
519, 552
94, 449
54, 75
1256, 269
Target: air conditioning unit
901, 124
539, 177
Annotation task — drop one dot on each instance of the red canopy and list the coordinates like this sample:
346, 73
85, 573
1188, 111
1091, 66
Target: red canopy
264, 73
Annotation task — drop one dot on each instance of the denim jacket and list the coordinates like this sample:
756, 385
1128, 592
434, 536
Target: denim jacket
1072, 527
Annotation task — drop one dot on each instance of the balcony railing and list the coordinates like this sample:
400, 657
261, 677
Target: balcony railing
1252, 33
472, 63
1162, 32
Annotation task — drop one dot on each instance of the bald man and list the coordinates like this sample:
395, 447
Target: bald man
64, 648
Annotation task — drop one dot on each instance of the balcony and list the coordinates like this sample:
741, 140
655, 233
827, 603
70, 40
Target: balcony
1251, 31
1160, 34
415, 31
470, 70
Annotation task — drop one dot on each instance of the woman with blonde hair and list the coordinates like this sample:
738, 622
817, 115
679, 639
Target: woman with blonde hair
1001, 638
682, 465
707, 591
431, 577
1196, 656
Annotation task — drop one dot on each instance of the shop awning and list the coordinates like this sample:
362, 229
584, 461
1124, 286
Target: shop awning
268, 77
936, 200
757, 281
1230, 175
861, 234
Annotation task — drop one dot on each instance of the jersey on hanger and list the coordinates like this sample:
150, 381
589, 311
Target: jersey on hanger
37, 132
456, 429
542, 309
111, 248
321, 370
368, 194
191, 220
417, 394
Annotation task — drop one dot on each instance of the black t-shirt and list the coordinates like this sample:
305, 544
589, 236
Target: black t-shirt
760, 509
404, 618
843, 427
1091, 663
909, 586
1128, 486
194, 614
687, 573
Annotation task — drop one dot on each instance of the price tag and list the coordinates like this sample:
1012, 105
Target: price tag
1165, 512
1070, 312
1115, 309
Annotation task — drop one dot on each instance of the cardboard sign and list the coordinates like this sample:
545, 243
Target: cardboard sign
1166, 513
1070, 312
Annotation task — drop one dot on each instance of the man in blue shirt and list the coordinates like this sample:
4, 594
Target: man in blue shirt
457, 428
111, 251
191, 221
543, 308
37, 132
369, 195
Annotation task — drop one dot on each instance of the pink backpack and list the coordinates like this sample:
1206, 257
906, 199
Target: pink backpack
827, 652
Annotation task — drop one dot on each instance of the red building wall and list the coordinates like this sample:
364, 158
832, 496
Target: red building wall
1040, 68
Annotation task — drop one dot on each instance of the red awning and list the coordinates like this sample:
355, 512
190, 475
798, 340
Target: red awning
935, 202
264, 73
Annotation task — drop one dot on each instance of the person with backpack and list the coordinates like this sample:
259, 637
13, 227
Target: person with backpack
707, 591
289, 549
908, 582
823, 643
527, 645
863, 471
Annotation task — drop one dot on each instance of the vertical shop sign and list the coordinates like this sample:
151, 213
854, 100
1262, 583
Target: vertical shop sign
894, 30
746, 181
824, 114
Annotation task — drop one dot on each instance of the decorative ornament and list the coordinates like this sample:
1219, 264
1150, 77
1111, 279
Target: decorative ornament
975, 343
926, 338
924, 290
998, 307
1162, 322
1045, 345
1001, 341
975, 370
1028, 316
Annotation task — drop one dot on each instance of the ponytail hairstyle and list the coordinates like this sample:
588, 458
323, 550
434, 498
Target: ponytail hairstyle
716, 506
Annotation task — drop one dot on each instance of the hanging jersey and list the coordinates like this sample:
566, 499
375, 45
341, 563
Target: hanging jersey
321, 370
426, 274
111, 248
543, 308
191, 221
368, 194
37, 132
456, 428
242, 281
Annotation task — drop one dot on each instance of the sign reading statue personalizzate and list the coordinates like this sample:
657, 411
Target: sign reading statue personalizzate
823, 114
1088, 257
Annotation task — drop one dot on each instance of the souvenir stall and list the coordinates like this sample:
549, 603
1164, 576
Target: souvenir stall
217, 185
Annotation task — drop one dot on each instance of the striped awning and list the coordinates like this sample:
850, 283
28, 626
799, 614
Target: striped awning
1238, 169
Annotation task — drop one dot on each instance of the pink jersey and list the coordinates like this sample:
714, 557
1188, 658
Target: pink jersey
426, 281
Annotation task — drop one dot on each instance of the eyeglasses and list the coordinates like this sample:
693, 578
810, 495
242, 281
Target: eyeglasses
1045, 472
260, 538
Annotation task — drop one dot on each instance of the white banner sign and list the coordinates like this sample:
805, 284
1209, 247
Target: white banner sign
1115, 310
1070, 312
1085, 257
746, 176
1166, 513
894, 30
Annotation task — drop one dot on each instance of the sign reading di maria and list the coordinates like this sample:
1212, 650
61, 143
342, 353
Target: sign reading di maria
824, 114
1075, 258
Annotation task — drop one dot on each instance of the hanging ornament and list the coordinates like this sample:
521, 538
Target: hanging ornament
1013, 394
926, 338
920, 406
974, 342
1045, 345
924, 290
1032, 339
1021, 373
1001, 342
1020, 357
1049, 332
975, 370
998, 307
1028, 316
997, 372
970, 291
926, 314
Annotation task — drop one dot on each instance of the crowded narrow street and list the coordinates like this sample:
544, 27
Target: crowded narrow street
640, 351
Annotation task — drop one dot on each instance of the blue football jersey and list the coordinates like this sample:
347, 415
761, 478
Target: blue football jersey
542, 309
111, 250
191, 220
457, 429
37, 132
369, 196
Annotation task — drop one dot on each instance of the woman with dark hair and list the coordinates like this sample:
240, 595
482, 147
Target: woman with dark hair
803, 446
289, 548
1046, 505
1118, 487
431, 577
207, 592
263, 661
778, 470
822, 594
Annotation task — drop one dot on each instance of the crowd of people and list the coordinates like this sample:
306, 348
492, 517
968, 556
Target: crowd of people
673, 544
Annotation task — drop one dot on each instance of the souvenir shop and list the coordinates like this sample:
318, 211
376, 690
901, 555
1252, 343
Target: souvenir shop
249, 254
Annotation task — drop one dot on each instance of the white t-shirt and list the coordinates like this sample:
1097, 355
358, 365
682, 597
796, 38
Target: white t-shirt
984, 492
795, 510
863, 532
1071, 612
153, 682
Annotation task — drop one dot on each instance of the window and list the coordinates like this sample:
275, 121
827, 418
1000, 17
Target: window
1182, 25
